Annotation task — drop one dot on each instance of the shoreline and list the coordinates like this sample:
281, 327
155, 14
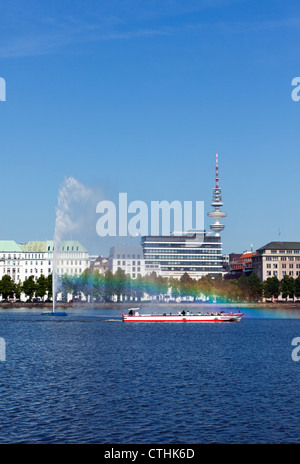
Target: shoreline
149, 304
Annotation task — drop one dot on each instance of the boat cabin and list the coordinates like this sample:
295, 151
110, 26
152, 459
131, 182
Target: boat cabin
133, 312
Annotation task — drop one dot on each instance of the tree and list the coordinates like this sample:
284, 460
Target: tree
244, 286
7, 287
49, 285
87, 283
66, 285
18, 290
97, 285
186, 285
70, 284
108, 290
41, 286
271, 287
219, 286
205, 285
255, 287
29, 287
233, 290
138, 287
150, 284
120, 281
175, 287
287, 286
297, 287
161, 285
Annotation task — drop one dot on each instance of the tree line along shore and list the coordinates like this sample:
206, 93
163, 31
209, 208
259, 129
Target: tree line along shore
119, 287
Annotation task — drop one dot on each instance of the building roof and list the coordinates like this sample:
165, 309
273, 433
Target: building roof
34, 246
128, 251
101, 259
247, 255
9, 246
100, 262
281, 246
67, 245
48, 245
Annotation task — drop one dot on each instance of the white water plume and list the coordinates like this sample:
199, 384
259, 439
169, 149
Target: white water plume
69, 218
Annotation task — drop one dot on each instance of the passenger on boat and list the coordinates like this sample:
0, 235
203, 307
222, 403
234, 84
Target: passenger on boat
183, 312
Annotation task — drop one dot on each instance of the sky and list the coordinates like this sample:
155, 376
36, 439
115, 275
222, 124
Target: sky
137, 97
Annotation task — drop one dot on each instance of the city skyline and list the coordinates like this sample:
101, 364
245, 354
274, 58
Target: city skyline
138, 98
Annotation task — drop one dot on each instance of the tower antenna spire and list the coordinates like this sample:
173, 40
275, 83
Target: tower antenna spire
217, 170
217, 204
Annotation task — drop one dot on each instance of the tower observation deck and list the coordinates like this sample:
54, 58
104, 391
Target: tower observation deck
217, 203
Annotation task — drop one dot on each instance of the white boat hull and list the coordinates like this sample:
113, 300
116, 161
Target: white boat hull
225, 317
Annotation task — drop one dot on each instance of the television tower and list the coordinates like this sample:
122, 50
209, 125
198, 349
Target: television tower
217, 215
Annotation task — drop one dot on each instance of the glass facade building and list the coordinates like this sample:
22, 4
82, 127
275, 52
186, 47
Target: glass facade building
197, 254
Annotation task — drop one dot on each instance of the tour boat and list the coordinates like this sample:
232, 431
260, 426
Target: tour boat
184, 316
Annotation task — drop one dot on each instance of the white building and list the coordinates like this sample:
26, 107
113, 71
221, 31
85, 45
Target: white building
128, 258
35, 258
11, 260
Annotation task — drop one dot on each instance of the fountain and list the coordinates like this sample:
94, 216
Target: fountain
70, 192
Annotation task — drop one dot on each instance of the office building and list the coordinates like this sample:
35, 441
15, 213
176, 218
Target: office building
277, 259
196, 254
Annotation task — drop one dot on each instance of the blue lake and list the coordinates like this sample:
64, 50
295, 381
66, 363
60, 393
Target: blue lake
90, 378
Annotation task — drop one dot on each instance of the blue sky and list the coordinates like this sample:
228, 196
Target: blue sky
138, 96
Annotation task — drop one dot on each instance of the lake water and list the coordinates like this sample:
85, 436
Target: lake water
90, 378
